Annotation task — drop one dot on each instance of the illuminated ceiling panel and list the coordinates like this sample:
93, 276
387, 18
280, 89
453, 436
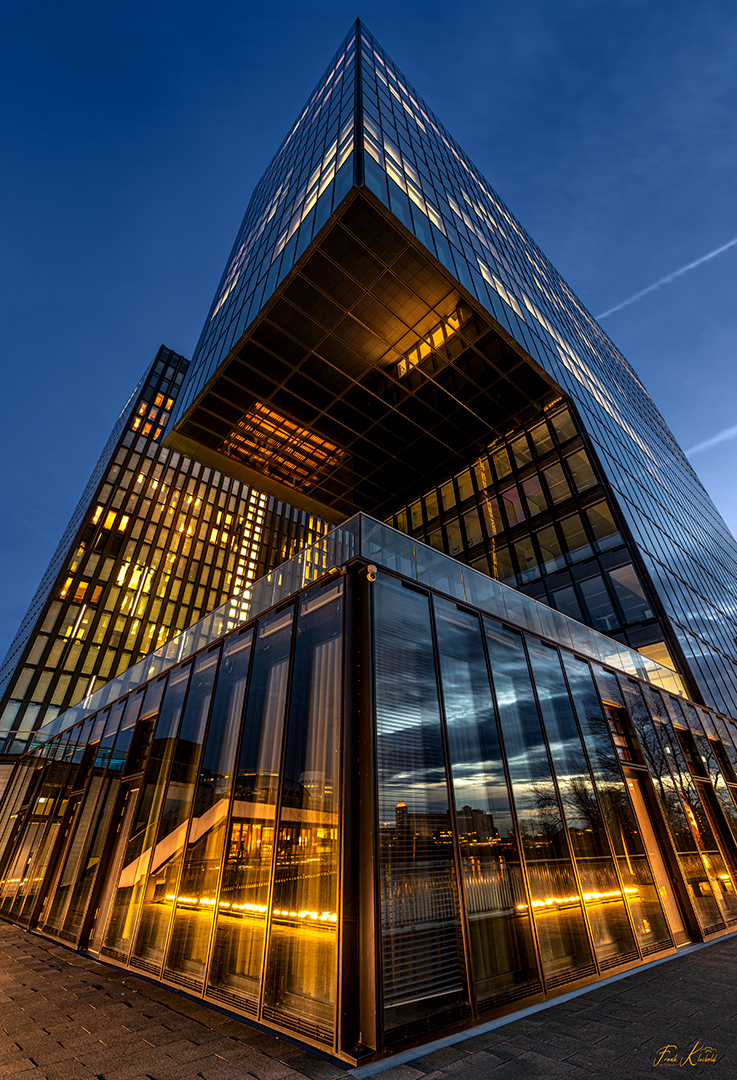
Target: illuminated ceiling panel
279, 448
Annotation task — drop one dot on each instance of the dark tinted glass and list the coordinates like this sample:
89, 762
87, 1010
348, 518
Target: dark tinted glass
422, 953
502, 950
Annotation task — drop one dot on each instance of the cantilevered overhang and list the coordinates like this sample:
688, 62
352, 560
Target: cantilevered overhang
369, 375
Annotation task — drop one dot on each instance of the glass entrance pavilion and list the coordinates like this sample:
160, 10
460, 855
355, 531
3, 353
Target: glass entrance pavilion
391, 798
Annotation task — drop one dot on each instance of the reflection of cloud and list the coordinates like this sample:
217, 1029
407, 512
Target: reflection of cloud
720, 437
667, 280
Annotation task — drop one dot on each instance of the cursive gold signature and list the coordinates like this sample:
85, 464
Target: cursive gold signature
699, 1055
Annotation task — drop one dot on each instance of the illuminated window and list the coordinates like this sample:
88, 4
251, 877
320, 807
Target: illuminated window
97, 514
513, 505
277, 447
564, 427
123, 523
438, 339
581, 471
502, 466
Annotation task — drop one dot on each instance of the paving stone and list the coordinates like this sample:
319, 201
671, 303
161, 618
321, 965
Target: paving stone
25, 1065
268, 1068
313, 1067
64, 1016
214, 1068
402, 1072
446, 1055
66, 1070
551, 1050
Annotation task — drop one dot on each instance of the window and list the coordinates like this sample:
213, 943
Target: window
557, 483
521, 451
534, 495
526, 559
501, 464
541, 439
581, 471
447, 495
501, 562
415, 515
513, 506
474, 534
566, 602
550, 549
483, 474
603, 527
465, 485
602, 615
432, 508
565, 429
492, 515
455, 540
630, 594
575, 537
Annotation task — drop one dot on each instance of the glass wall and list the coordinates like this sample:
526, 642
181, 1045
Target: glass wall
500, 929
422, 953
193, 828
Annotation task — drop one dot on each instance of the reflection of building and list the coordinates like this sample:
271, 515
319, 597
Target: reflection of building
386, 794
478, 825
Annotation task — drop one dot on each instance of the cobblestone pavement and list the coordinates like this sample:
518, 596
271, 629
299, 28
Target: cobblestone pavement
67, 1017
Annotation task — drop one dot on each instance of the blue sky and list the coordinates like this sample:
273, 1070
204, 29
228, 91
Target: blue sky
133, 134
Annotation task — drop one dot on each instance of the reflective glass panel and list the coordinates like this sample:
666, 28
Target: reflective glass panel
244, 895
581, 471
502, 949
556, 902
640, 890
656, 753
557, 483
198, 886
144, 823
602, 890
166, 859
300, 982
550, 549
421, 945
698, 801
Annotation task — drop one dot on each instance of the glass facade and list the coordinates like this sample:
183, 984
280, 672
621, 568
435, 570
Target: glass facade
537, 812
412, 285
532, 512
157, 540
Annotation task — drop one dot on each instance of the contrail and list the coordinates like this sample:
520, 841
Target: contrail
720, 437
667, 280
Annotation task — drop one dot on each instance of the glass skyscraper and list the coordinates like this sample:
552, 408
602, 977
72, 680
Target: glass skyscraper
156, 541
469, 748
382, 300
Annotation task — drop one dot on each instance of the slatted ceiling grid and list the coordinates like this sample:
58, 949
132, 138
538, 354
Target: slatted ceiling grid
356, 358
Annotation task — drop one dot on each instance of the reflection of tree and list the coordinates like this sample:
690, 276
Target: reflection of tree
715, 770
539, 815
658, 766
